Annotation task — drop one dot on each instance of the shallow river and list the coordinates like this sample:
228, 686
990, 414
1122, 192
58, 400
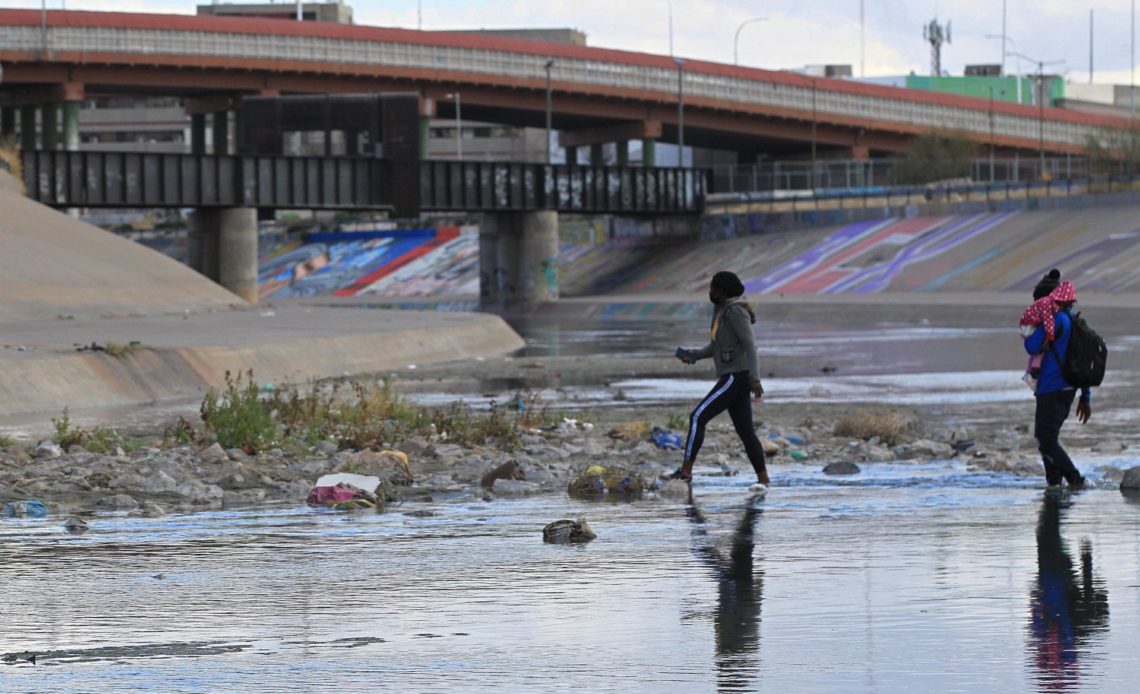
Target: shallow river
902, 578
899, 579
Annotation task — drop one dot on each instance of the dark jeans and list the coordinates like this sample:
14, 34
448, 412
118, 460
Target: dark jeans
731, 393
1052, 411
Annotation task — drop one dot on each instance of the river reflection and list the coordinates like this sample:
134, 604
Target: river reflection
740, 586
1066, 609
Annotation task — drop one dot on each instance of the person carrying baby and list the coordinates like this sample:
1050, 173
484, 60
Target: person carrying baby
1040, 313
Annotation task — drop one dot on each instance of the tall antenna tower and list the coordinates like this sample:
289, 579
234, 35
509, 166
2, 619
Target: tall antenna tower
936, 35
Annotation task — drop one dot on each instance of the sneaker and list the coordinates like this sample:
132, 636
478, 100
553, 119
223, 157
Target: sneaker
758, 488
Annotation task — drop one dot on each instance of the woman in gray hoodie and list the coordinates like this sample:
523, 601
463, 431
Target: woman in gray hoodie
733, 350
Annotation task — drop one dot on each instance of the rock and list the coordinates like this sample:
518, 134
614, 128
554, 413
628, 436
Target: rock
567, 532
48, 449
1131, 479
770, 446
509, 470
1109, 447
16, 454
117, 502
841, 468
237, 454
326, 448
514, 488
390, 466
214, 455
415, 446
75, 525
420, 513
930, 449
446, 452
149, 509
243, 497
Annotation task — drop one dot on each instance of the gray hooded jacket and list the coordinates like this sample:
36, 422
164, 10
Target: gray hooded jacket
733, 346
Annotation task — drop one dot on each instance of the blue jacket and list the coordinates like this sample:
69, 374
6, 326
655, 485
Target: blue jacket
1051, 380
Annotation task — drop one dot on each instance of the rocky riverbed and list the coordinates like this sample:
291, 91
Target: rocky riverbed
153, 481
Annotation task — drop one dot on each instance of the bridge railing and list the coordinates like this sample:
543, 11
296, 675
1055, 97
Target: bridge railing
781, 201
451, 185
148, 179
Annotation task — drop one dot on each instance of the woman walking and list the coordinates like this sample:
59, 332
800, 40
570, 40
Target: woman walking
733, 350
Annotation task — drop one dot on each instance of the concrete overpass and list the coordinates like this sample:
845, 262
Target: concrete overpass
599, 95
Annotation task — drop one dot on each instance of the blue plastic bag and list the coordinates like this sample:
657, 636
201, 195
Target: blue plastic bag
666, 439
28, 508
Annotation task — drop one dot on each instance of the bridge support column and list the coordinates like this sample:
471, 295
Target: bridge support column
425, 137
223, 246
597, 154
538, 256
649, 153
71, 126
7, 121
518, 258
571, 156
623, 153
198, 133
221, 132
28, 127
49, 126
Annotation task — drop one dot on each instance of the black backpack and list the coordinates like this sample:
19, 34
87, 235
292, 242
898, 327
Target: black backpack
1085, 357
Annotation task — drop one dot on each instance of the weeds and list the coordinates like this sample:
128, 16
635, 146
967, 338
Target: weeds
238, 417
359, 416
97, 440
864, 424
120, 351
6, 441
677, 421
181, 433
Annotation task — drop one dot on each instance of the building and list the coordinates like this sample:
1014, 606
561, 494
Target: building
333, 12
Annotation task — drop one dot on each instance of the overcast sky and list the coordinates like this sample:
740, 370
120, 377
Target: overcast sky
795, 33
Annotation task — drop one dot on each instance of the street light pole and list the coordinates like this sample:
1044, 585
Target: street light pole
549, 108
458, 125
736, 38
680, 111
670, 28
1040, 104
1005, 38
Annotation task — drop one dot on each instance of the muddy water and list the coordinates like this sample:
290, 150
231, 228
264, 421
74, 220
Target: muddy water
899, 579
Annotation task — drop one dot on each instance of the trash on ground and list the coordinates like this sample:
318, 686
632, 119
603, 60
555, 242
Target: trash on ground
568, 531
27, 508
666, 439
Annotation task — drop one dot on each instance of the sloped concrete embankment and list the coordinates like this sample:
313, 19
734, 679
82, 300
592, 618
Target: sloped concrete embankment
46, 378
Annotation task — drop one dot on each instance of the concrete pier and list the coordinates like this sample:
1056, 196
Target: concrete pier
223, 246
518, 257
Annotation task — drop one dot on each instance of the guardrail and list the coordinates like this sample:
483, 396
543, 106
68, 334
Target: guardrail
491, 186
878, 197
151, 179
854, 173
146, 179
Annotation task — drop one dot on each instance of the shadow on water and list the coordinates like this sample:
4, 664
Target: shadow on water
739, 593
1066, 608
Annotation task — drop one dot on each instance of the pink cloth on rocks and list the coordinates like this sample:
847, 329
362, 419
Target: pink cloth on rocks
324, 496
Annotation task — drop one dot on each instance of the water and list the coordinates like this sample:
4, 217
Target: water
901, 578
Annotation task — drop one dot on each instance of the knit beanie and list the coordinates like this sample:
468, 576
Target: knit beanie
728, 283
1047, 284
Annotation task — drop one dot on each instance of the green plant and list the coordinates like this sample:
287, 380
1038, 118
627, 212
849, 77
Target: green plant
6, 441
677, 421
103, 440
935, 157
67, 435
238, 417
119, 351
181, 433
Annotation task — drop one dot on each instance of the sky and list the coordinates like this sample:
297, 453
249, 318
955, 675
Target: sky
793, 34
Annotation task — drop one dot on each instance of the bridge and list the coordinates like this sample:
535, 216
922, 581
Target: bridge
598, 95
